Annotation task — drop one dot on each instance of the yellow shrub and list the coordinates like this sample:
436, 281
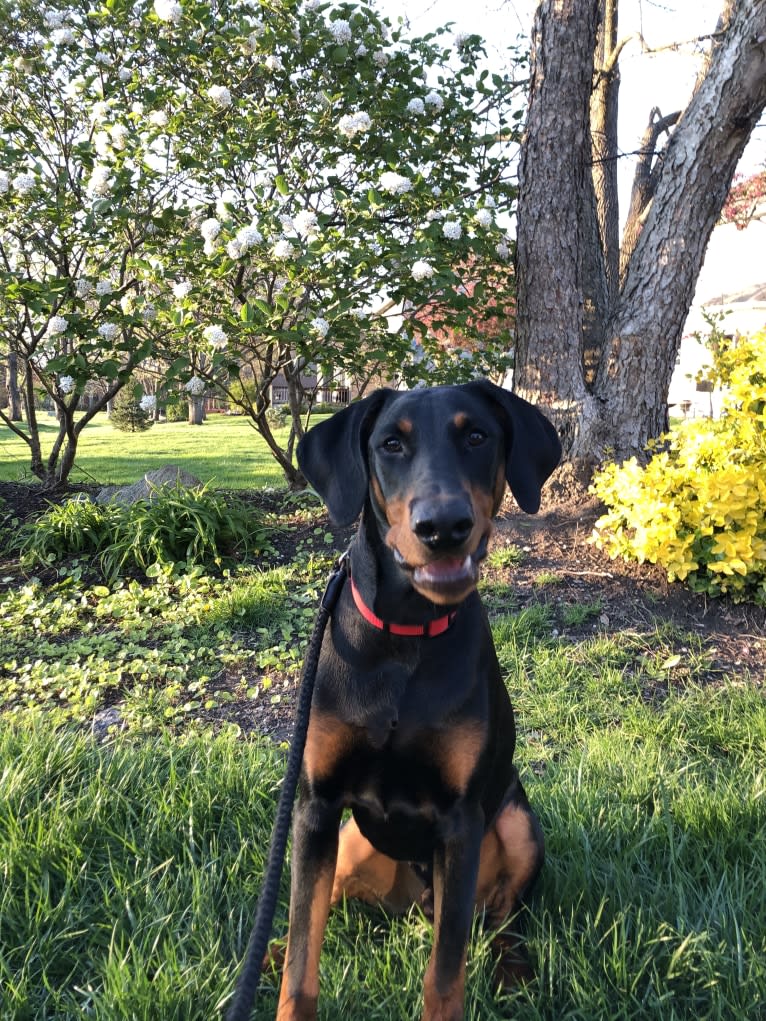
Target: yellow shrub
698, 508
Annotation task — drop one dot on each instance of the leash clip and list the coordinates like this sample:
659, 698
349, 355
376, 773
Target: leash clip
335, 584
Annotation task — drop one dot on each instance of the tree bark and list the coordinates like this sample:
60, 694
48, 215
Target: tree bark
554, 173
627, 404
14, 396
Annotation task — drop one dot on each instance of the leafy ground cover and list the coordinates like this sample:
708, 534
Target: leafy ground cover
138, 789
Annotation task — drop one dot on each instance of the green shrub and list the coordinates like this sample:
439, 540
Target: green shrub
178, 527
177, 411
698, 508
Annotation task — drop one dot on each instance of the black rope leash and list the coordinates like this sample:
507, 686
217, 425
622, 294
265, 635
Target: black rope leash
247, 985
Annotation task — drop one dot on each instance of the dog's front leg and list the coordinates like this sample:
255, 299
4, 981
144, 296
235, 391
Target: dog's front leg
315, 850
456, 866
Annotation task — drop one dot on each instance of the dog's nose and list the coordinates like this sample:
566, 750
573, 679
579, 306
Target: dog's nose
443, 524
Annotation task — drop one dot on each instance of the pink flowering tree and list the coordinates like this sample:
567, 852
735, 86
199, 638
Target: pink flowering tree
233, 192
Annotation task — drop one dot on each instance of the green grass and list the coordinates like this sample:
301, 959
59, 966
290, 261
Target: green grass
129, 870
225, 450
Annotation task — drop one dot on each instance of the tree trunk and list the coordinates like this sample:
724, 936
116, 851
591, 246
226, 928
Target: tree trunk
551, 240
196, 411
14, 396
627, 404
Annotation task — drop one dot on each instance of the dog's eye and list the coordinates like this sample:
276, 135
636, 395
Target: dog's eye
392, 445
476, 437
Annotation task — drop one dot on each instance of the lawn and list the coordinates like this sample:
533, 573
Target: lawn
137, 798
130, 866
226, 450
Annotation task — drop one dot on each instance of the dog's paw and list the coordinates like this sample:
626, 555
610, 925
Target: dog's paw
512, 967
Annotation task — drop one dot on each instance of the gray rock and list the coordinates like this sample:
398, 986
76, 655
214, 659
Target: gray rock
145, 488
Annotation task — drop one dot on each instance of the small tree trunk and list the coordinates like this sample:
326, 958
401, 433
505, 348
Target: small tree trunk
14, 396
196, 411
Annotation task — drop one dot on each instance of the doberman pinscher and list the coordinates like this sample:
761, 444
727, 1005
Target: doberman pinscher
411, 727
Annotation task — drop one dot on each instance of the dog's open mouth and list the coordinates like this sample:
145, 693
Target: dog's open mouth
446, 577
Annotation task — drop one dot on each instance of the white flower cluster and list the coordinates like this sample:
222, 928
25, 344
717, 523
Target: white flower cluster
216, 337
503, 250
103, 287
158, 119
395, 184
484, 217
109, 331
435, 100
83, 288
273, 63
220, 95
100, 181
452, 230
320, 326
283, 249
53, 18
246, 238
381, 58
210, 229
66, 384
63, 37
422, 270
148, 403
56, 326
23, 183
5, 183
181, 289
352, 124
168, 10
195, 386
416, 106
340, 31
305, 222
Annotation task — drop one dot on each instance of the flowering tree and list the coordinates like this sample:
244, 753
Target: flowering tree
240, 191
85, 205
343, 175
746, 200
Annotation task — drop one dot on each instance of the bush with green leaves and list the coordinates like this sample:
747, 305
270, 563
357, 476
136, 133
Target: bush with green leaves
179, 528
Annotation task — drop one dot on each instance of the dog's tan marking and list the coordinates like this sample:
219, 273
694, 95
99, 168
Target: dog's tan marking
460, 419
299, 993
510, 856
457, 752
327, 741
404, 425
443, 1004
366, 874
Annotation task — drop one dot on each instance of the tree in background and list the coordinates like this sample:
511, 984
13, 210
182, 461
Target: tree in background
599, 326
131, 410
238, 190
353, 173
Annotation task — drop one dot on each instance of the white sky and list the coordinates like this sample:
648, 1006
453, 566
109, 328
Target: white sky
662, 79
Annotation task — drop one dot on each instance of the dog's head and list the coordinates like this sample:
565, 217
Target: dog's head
434, 463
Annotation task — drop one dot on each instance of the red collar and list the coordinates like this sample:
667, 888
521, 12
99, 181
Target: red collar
428, 630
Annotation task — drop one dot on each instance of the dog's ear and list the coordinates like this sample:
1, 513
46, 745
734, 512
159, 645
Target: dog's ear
532, 448
333, 456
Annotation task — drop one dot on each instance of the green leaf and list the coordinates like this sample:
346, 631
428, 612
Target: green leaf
282, 186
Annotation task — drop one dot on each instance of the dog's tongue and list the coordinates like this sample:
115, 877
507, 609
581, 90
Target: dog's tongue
448, 569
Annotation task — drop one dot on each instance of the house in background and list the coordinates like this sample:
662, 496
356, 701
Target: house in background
732, 285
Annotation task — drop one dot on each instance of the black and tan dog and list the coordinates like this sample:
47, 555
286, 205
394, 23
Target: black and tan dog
411, 726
